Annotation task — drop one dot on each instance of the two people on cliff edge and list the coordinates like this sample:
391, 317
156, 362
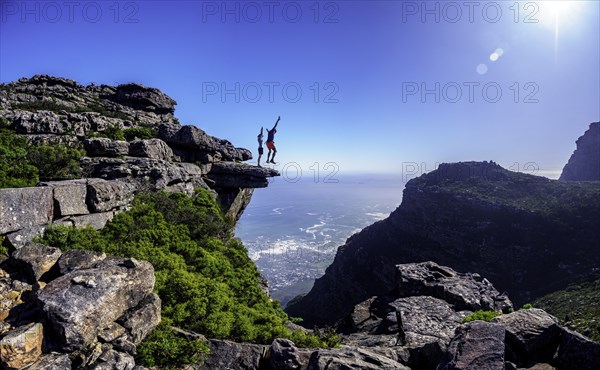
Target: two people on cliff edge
270, 143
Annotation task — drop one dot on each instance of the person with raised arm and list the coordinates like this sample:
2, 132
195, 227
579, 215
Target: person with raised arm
271, 142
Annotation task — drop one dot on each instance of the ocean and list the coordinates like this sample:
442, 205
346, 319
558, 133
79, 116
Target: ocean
292, 229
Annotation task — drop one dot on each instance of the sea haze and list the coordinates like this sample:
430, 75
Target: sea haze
293, 229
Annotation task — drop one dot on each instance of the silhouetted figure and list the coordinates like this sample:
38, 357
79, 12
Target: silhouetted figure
271, 142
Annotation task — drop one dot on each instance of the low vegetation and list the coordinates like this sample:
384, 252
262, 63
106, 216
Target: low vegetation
204, 277
481, 315
577, 307
22, 164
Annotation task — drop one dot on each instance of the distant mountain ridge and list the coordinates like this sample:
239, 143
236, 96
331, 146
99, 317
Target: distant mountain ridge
529, 235
584, 164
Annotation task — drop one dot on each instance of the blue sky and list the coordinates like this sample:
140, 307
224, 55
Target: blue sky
356, 64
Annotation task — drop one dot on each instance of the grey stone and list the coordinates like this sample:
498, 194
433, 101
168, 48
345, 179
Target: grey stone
25, 208
225, 354
533, 335
577, 352
476, 345
95, 220
103, 147
152, 148
284, 355
69, 197
105, 195
52, 361
113, 360
19, 238
37, 258
81, 303
79, 260
142, 319
239, 175
351, 358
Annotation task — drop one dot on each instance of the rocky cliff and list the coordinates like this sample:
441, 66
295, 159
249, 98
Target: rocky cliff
80, 309
47, 110
584, 164
528, 235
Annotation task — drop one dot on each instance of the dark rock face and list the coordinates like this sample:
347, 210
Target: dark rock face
238, 175
284, 355
577, 352
526, 234
477, 345
584, 164
53, 361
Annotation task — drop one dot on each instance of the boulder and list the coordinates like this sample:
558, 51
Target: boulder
140, 320
225, 354
52, 361
105, 195
95, 220
19, 238
152, 148
476, 345
463, 291
426, 326
78, 260
113, 360
577, 352
192, 144
103, 147
36, 258
25, 208
81, 303
533, 335
141, 97
351, 358
284, 355
22, 346
69, 197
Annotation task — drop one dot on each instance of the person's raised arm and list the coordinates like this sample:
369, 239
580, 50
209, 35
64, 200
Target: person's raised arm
276, 123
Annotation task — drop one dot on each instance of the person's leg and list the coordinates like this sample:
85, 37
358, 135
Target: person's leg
273, 157
260, 153
268, 155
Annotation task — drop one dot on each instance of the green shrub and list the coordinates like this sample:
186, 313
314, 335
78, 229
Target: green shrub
15, 169
165, 349
4, 123
527, 306
3, 248
112, 132
140, 133
56, 162
481, 315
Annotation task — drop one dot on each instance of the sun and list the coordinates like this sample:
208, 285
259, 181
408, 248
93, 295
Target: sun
554, 12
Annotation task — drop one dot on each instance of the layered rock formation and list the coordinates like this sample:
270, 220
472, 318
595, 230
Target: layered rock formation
528, 235
584, 164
